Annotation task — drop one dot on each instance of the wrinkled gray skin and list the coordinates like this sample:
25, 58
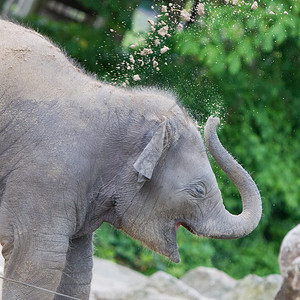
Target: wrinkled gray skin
75, 152
289, 263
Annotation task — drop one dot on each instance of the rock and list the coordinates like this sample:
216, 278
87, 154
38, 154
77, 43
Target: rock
162, 286
1, 271
112, 281
165, 283
115, 282
210, 282
213, 283
149, 294
289, 263
290, 288
289, 250
255, 287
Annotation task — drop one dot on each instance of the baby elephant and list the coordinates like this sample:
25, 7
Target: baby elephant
76, 152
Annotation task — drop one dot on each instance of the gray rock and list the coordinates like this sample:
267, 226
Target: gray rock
149, 294
289, 263
112, 281
290, 288
1, 271
255, 287
213, 283
115, 282
210, 282
165, 283
162, 286
289, 250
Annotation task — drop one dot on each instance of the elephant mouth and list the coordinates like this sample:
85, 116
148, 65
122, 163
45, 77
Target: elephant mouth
186, 226
174, 256
172, 253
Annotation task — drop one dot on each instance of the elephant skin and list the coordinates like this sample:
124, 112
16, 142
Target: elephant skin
76, 152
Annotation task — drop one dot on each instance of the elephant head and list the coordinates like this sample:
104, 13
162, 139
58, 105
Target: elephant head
176, 186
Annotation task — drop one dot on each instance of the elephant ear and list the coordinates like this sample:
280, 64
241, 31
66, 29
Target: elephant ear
150, 156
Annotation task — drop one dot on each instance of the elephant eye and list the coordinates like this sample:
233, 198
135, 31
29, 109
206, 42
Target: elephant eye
197, 191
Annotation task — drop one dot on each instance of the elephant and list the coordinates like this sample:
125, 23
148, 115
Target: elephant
289, 263
76, 152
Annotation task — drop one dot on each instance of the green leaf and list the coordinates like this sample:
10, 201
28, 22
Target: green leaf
234, 62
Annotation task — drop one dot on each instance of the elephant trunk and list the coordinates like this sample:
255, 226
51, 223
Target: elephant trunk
231, 226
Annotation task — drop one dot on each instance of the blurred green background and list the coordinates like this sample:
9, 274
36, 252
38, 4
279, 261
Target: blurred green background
235, 62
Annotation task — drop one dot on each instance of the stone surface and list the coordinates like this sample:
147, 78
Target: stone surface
289, 263
115, 282
210, 282
165, 283
169, 287
159, 286
289, 250
1, 271
213, 283
112, 281
290, 288
255, 287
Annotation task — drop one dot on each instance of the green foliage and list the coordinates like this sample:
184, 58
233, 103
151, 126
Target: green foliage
235, 62
115, 14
